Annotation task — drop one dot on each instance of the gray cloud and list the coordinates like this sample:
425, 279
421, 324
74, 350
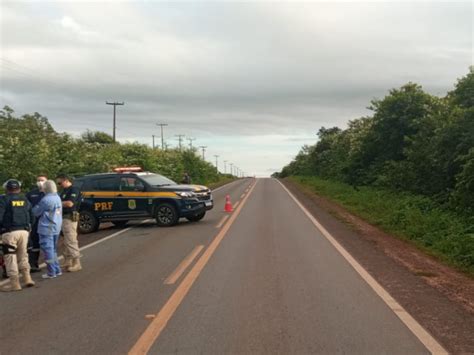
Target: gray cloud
225, 69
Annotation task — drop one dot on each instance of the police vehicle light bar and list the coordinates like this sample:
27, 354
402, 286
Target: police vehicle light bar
128, 169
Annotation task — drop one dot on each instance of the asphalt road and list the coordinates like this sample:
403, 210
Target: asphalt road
261, 280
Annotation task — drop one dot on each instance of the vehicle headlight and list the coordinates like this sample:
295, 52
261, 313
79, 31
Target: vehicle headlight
185, 194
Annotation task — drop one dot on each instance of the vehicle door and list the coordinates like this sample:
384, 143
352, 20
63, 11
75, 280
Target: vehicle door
133, 196
101, 192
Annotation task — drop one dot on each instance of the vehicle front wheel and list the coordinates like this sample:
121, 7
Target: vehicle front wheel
196, 217
166, 215
88, 223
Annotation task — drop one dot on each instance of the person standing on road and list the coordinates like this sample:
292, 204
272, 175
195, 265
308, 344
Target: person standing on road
70, 197
186, 179
16, 219
49, 210
35, 196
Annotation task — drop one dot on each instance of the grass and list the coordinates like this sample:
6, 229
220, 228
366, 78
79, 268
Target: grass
438, 231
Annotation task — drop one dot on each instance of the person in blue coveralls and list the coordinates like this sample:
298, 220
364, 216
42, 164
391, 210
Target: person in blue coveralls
49, 211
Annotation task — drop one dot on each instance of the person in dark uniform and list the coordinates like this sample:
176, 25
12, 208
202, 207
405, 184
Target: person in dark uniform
35, 196
16, 219
186, 179
71, 198
2, 261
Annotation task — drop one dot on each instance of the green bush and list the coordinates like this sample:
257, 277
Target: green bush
412, 217
413, 142
29, 146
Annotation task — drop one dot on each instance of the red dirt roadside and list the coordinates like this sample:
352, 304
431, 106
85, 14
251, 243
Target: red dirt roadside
440, 298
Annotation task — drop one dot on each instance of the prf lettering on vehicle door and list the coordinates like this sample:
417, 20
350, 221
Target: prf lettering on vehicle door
103, 206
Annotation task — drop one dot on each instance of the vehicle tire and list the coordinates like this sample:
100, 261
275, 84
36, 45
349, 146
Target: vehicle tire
196, 217
166, 215
88, 223
119, 223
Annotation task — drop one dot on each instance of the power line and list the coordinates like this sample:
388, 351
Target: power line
23, 70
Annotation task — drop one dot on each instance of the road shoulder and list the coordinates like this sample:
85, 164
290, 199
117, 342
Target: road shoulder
439, 298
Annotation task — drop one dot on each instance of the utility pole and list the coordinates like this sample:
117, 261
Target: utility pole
153, 137
232, 169
217, 166
191, 142
225, 166
115, 104
180, 139
162, 140
203, 148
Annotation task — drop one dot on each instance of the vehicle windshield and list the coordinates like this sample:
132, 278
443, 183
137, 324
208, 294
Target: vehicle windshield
157, 180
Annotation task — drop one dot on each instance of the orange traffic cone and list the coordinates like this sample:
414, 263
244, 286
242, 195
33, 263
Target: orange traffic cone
228, 204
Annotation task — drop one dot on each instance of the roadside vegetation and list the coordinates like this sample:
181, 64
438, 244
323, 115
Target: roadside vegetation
408, 168
29, 145
435, 230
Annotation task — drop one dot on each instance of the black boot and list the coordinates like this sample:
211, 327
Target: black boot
33, 257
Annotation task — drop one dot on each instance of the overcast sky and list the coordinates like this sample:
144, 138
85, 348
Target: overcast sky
253, 81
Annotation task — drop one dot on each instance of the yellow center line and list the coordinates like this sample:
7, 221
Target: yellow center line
242, 196
153, 331
222, 221
176, 274
236, 204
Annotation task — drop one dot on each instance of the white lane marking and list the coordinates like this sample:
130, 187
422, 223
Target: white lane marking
61, 258
242, 196
222, 221
106, 238
113, 235
236, 204
428, 341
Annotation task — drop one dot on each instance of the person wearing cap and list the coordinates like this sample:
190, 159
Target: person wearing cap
49, 211
16, 218
71, 198
35, 196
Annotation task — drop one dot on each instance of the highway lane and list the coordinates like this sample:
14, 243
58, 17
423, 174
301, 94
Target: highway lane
275, 285
103, 308
265, 281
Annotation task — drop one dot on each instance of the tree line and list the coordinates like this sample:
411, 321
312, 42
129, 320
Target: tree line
413, 142
29, 146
